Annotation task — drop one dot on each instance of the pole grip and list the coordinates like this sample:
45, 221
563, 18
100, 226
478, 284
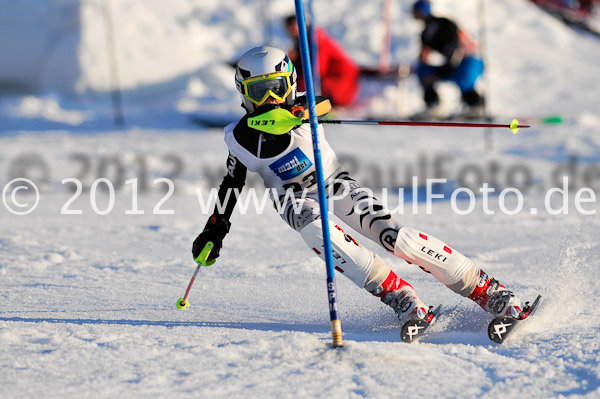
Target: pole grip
203, 257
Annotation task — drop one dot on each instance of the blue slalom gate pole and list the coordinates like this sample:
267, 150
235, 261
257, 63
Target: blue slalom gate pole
336, 325
314, 50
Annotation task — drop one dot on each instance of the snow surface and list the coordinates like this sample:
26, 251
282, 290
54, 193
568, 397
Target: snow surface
88, 302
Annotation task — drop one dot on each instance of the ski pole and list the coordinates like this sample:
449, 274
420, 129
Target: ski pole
280, 121
183, 303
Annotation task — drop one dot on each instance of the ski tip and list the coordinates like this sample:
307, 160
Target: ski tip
412, 330
500, 328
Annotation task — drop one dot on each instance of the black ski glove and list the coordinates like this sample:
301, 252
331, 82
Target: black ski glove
215, 230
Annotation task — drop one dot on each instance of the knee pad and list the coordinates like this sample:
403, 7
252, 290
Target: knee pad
349, 258
446, 264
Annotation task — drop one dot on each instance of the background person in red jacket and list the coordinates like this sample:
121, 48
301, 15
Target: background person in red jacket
338, 72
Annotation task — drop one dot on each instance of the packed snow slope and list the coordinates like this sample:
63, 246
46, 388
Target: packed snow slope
88, 299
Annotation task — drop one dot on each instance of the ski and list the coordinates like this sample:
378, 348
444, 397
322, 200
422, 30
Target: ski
501, 327
412, 330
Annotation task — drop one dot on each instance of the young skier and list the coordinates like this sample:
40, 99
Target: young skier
266, 78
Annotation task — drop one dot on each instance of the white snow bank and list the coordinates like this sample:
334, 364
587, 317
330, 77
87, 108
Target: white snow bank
39, 43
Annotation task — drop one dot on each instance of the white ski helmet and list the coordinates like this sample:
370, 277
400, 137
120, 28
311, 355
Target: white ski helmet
262, 72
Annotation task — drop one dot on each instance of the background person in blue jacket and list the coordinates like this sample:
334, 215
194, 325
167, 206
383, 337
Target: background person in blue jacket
460, 63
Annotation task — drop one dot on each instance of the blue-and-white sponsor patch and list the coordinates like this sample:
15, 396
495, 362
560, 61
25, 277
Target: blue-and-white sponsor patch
291, 165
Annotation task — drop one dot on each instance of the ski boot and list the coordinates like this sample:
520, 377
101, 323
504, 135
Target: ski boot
494, 298
401, 296
413, 314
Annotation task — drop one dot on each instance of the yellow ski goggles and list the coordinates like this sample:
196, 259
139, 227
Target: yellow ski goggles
258, 89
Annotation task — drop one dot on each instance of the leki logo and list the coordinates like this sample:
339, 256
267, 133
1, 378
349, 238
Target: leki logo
264, 122
434, 254
500, 329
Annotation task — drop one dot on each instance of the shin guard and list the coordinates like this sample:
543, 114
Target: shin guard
349, 258
446, 264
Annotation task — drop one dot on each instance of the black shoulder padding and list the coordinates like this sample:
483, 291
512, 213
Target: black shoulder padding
249, 138
303, 102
